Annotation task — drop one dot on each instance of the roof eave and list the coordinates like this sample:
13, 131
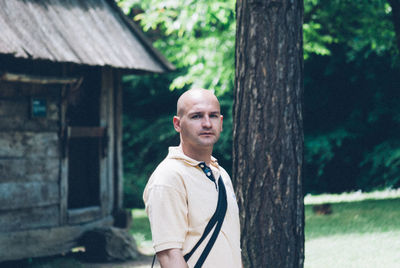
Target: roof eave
138, 32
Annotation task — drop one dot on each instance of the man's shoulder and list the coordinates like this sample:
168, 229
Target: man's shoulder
168, 173
169, 166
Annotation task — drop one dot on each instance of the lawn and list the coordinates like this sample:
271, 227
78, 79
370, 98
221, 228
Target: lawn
362, 231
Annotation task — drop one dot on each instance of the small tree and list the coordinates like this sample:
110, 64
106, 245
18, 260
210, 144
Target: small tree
268, 133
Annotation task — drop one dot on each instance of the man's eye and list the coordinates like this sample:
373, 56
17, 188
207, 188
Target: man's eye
196, 116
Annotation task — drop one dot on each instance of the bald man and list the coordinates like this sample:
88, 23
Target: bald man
187, 190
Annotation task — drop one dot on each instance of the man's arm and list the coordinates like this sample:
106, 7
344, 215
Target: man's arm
171, 258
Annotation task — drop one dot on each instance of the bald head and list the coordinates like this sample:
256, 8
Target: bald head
192, 96
199, 122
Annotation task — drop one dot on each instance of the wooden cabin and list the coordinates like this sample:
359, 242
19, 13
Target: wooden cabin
61, 64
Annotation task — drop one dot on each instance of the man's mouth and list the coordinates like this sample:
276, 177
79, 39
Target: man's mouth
206, 133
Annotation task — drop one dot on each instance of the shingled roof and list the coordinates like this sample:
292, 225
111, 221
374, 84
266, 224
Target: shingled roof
89, 32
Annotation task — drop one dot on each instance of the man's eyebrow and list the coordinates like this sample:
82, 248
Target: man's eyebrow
201, 112
195, 113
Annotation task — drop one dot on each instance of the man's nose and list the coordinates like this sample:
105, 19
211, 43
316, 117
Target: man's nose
206, 122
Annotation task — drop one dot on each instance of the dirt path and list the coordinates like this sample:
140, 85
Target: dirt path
142, 262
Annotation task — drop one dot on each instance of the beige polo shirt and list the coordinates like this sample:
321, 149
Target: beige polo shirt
180, 200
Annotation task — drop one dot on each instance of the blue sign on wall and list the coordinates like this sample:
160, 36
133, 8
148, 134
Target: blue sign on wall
39, 107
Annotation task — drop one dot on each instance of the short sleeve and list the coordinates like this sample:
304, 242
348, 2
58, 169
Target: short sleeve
167, 211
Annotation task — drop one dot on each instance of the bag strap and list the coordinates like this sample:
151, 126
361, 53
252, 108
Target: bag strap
218, 220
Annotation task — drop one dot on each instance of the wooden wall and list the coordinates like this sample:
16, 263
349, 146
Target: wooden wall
29, 158
34, 216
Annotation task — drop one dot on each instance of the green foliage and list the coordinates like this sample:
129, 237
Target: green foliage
350, 113
351, 119
350, 122
362, 26
148, 131
320, 149
381, 165
198, 37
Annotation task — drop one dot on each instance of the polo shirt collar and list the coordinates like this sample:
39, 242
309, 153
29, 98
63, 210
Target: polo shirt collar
176, 152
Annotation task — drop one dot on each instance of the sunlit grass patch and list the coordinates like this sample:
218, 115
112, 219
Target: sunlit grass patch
361, 233
361, 217
141, 231
354, 250
310, 199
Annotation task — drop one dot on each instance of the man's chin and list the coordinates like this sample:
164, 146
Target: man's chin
209, 141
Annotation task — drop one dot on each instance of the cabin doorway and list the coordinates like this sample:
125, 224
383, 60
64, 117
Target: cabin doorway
85, 144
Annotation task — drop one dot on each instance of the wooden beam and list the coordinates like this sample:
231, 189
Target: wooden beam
118, 159
81, 215
44, 241
28, 194
86, 132
37, 79
29, 218
64, 159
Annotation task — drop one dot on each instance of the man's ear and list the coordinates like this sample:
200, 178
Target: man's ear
222, 120
177, 123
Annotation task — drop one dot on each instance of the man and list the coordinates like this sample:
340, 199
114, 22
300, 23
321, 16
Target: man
181, 195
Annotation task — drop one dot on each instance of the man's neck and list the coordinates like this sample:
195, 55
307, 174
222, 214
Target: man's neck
200, 154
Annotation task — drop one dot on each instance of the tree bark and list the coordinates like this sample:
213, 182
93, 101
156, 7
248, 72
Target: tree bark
395, 5
268, 132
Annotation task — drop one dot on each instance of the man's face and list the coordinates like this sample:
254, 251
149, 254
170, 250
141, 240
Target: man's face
200, 121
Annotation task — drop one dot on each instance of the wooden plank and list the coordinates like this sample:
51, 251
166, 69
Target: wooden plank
29, 218
83, 215
104, 111
15, 115
64, 191
37, 79
26, 144
64, 160
91, 132
28, 194
29, 169
110, 133
18, 90
118, 159
44, 241
14, 107
8, 90
25, 124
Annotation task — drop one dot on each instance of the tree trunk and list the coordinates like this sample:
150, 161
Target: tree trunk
268, 132
395, 4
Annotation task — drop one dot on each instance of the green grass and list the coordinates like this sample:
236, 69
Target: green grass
357, 234
363, 230
141, 231
361, 217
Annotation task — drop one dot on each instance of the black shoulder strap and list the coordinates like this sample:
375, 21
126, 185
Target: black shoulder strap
217, 219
